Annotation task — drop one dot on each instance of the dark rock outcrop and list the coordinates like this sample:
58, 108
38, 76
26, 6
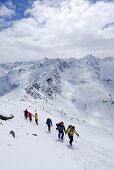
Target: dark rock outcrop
12, 133
34, 134
6, 118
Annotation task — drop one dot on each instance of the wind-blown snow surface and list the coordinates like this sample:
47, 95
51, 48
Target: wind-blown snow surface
78, 92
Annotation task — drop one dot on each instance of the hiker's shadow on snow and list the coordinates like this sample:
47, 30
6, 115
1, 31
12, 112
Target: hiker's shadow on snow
72, 147
48, 132
59, 140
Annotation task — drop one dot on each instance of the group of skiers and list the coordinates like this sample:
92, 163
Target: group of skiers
30, 115
59, 126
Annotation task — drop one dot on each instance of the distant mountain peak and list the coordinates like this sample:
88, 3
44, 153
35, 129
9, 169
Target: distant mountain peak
90, 61
90, 57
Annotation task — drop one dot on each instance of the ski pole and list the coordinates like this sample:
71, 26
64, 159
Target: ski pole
77, 139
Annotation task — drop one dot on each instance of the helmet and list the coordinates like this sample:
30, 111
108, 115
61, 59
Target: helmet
73, 127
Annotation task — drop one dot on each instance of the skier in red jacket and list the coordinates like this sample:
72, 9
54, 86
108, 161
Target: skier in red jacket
30, 116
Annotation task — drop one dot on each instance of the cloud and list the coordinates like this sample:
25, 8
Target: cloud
6, 12
10, 5
58, 28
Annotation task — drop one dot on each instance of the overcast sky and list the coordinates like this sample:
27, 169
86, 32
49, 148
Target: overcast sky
55, 28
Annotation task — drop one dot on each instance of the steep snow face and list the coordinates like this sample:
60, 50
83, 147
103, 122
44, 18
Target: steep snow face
85, 85
90, 61
107, 73
13, 76
89, 97
90, 93
45, 78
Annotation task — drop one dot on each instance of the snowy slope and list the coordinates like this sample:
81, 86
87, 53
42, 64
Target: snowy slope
93, 150
78, 92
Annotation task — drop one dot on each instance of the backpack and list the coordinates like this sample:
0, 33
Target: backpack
69, 126
60, 127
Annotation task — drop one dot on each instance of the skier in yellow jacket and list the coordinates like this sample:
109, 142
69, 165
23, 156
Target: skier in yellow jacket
36, 118
70, 131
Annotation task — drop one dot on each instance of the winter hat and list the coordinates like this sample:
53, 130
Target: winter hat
61, 123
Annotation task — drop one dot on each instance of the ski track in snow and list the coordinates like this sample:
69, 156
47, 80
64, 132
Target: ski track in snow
45, 151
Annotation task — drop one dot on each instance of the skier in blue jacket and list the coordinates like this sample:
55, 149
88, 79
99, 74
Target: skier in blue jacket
49, 124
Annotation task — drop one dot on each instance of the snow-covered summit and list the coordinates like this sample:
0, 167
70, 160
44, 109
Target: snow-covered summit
90, 61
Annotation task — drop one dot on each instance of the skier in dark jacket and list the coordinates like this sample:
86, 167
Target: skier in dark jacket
49, 124
61, 129
26, 113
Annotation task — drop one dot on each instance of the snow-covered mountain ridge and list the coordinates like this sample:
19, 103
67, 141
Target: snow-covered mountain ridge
87, 84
